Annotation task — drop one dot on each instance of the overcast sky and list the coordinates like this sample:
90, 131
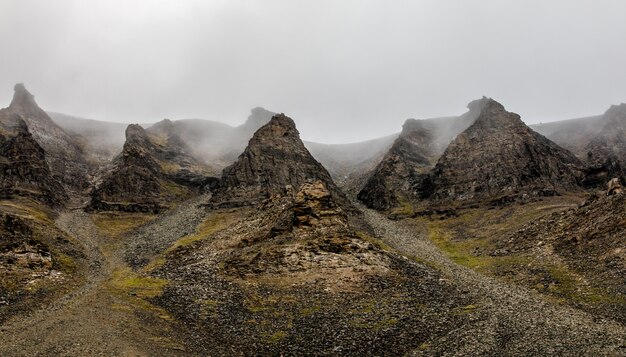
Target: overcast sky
343, 70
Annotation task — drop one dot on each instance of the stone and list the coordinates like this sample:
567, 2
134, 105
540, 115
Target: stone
614, 187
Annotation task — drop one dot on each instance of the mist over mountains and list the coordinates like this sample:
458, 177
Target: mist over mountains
220, 225
312, 178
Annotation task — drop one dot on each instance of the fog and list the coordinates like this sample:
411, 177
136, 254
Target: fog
344, 70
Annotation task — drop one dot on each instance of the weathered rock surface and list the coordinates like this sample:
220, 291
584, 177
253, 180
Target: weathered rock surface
310, 233
408, 157
24, 171
499, 156
614, 187
411, 156
63, 154
275, 162
295, 263
154, 170
606, 151
590, 240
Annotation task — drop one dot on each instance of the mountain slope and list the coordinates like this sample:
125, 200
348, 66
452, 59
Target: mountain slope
275, 162
63, 154
290, 257
589, 241
606, 151
411, 156
497, 156
153, 171
24, 171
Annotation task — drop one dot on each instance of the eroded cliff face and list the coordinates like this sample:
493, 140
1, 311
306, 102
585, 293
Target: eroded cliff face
24, 171
499, 156
409, 156
275, 162
413, 154
64, 155
154, 170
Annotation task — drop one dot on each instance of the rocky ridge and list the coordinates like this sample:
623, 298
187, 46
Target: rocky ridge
499, 157
64, 155
285, 252
605, 152
153, 171
275, 162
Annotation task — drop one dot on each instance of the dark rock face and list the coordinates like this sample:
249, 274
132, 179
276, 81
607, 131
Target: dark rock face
153, 170
23, 168
64, 156
500, 156
306, 232
407, 158
275, 162
300, 252
606, 151
405, 166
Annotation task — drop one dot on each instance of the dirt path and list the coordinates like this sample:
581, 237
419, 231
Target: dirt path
506, 314
96, 319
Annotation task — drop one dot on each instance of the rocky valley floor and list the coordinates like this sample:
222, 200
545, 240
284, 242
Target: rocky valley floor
138, 301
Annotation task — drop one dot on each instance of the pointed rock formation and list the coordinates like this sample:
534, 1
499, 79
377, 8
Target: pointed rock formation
154, 170
275, 162
24, 171
409, 156
293, 244
63, 154
412, 155
257, 118
606, 151
499, 156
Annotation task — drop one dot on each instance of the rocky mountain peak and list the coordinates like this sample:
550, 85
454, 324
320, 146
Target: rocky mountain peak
257, 118
22, 98
391, 181
23, 168
63, 153
153, 170
500, 156
491, 115
275, 162
165, 126
606, 150
134, 131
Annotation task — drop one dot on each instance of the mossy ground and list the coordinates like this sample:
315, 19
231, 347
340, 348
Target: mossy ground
114, 224
471, 238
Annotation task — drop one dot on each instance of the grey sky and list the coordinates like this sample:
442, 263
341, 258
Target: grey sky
344, 70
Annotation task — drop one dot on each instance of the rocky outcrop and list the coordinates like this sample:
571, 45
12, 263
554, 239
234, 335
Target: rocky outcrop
63, 154
275, 163
408, 157
589, 239
154, 170
24, 171
499, 157
614, 187
306, 232
412, 155
606, 151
